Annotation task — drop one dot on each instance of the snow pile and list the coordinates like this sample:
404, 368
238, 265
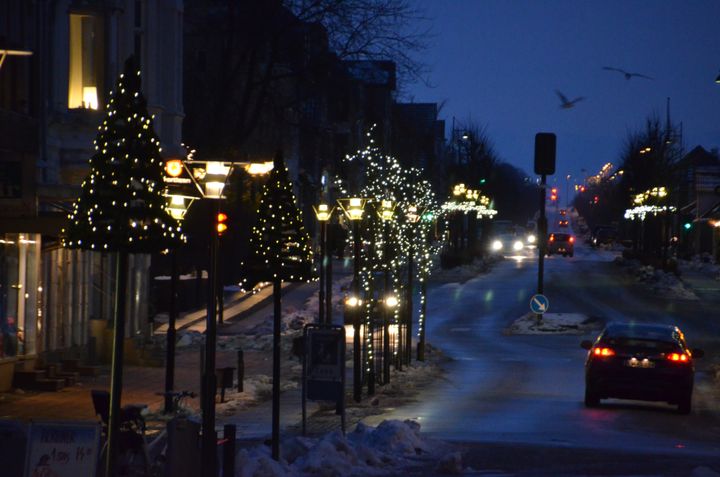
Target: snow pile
553, 323
257, 388
702, 263
387, 449
664, 283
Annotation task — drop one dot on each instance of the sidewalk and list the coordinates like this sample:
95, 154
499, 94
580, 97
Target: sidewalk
141, 384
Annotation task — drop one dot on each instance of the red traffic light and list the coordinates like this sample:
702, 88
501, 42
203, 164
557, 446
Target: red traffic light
221, 223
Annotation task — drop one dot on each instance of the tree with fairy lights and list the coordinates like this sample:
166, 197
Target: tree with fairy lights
121, 209
280, 252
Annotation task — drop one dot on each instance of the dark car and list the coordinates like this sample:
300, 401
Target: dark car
603, 235
649, 362
561, 243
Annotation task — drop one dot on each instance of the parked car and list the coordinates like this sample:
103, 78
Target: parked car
561, 243
603, 235
649, 362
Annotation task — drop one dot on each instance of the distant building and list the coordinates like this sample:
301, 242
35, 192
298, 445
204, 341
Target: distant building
698, 190
418, 136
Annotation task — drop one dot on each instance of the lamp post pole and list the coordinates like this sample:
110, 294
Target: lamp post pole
321, 292
386, 308
209, 437
170, 337
357, 370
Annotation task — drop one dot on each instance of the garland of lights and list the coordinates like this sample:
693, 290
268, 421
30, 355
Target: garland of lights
279, 242
384, 178
121, 205
481, 210
641, 211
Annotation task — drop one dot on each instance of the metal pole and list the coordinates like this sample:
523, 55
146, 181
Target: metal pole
357, 365
328, 283
170, 336
542, 242
409, 307
209, 439
277, 299
321, 293
423, 324
117, 363
386, 310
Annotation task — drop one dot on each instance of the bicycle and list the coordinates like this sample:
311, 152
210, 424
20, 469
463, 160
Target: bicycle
136, 456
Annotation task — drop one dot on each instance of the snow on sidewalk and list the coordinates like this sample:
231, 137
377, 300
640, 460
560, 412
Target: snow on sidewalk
553, 323
391, 448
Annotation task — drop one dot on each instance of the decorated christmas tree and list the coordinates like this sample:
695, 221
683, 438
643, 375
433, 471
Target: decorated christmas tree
280, 245
121, 206
122, 209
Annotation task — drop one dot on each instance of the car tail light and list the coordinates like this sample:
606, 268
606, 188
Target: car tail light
552, 237
601, 351
572, 239
678, 357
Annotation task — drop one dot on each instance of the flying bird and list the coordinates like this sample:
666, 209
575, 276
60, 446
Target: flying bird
566, 103
627, 74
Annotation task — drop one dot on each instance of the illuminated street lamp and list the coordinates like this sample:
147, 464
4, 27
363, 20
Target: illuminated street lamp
323, 212
353, 208
210, 177
179, 200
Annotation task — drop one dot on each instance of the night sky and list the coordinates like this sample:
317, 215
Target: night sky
499, 62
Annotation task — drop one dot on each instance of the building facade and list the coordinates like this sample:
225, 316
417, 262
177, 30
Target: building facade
52, 104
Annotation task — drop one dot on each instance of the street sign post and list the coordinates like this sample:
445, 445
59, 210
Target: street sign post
539, 304
323, 377
545, 147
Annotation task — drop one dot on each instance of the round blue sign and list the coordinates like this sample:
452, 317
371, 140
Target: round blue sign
539, 304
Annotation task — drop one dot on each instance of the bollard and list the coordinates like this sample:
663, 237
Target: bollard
241, 370
228, 469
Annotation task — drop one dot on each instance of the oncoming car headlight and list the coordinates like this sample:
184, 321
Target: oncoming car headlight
497, 245
531, 238
517, 245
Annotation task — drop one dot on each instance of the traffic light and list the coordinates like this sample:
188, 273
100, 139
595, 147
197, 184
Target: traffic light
221, 223
553, 194
687, 225
596, 199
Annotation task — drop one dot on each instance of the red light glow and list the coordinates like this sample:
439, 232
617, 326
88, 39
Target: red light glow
572, 239
603, 352
679, 357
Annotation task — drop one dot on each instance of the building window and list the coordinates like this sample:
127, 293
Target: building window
86, 61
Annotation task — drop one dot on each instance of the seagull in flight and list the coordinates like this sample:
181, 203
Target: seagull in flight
566, 103
627, 74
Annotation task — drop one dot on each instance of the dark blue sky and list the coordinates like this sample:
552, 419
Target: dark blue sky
499, 62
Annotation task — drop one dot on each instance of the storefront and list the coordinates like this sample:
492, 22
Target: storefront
20, 294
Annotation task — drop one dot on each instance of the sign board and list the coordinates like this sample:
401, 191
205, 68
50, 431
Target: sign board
539, 304
60, 449
545, 145
13, 440
325, 361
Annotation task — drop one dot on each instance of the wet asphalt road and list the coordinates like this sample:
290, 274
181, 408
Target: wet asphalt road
507, 392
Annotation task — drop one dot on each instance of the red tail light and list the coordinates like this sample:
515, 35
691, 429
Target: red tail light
678, 357
603, 352
572, 239
552, 237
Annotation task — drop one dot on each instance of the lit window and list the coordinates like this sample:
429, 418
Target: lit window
86, 61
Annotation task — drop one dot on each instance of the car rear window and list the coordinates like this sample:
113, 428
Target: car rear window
641, 344
562, 237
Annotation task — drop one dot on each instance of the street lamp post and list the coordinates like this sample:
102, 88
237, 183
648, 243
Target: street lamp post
178, 204
353, 209
323, 213
386, 211
413, 216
